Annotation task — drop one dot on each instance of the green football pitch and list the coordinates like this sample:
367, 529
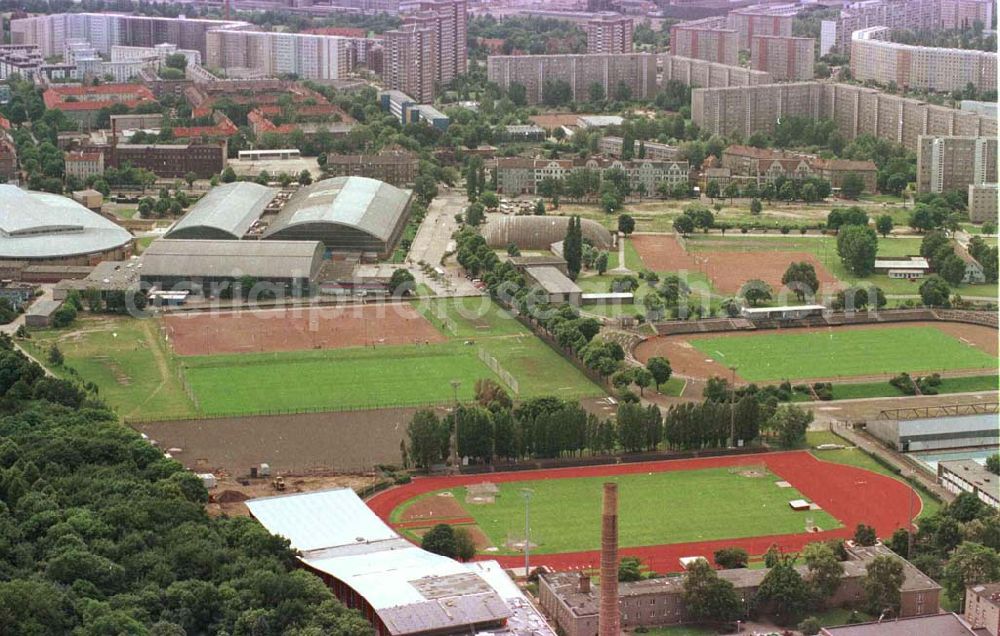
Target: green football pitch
791, 355
653, 509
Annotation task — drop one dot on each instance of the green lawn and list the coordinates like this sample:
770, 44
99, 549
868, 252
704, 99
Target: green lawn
125, 358
968, 384
843, 353
138, 375
654, 509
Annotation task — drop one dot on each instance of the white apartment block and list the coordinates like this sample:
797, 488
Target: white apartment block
874, 57
274, 54
954, 162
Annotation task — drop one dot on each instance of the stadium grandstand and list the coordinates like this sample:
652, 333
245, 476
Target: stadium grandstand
44, 228
225, 213
348, 214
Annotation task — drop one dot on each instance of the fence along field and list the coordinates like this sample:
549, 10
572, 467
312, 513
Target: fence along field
139, 374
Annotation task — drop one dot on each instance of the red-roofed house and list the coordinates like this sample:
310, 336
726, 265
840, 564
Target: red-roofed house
83, 103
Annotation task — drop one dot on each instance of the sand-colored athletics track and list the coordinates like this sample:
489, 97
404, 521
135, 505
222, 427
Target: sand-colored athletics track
851, 495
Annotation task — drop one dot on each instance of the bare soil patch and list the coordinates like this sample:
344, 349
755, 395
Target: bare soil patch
301, 443
434, 508
728, 271
230, 492
687, 361
295, 329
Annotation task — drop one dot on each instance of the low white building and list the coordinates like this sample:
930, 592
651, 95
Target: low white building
400, 588
966, 475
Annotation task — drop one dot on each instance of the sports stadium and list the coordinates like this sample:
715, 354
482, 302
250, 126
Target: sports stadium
43, 228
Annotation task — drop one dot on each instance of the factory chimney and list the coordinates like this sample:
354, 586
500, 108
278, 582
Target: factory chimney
608, 621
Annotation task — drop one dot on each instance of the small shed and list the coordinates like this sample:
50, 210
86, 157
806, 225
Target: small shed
39, 315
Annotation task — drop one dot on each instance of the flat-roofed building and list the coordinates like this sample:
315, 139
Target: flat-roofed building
762, 19
951, 162
936, 433
786, 58
612, 146
939, 625
982, 202
982, 607
965, 475
173, 161
609, 32
200, 264
708, 39
874, 57
410, 61
397, 167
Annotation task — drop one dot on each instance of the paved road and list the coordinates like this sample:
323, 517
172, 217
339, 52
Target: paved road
12, 326
432, 242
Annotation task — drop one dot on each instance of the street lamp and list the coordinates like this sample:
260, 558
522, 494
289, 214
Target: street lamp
526, 493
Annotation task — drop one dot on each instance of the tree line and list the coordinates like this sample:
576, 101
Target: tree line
102, 534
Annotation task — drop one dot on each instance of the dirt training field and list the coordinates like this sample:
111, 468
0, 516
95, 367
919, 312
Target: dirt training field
728, 271
688, 361
297, 329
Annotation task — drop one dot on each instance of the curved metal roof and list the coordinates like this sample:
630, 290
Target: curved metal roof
227, 211
369, 205
539, 232
36, 225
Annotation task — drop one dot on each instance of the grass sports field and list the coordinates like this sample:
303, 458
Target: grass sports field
842, 353
654, 509
138, 374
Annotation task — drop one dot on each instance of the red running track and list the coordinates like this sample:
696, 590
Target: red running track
851, 495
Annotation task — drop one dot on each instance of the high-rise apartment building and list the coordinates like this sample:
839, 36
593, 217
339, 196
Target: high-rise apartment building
785, 58
762, 19
901, 14
609, 33
856, 110
51, 32
949, 162
276, 54
449, 19
874, 57
708, 39
410, 61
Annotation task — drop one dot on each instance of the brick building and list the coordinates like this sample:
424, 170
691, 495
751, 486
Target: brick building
609, 33
398, 167
170, 161
785, 58
856, 110
8, 158
708, 39
83, 103
954, 162
569, 599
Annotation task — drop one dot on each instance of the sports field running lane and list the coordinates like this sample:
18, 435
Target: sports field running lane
850, 494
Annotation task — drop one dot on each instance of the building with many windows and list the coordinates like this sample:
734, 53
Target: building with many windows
982, 202
516, 175
410, 60
609, 33
275, 54
762, 19
949, 162
786, 58
708, 39
965, 475
83, 164
876, 58
449, 20
855, 110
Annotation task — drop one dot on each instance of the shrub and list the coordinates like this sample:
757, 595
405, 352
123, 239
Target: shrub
810, 626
